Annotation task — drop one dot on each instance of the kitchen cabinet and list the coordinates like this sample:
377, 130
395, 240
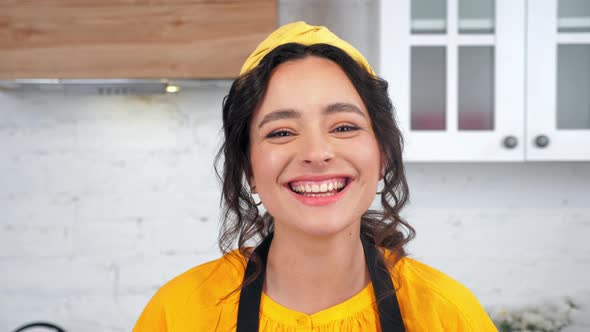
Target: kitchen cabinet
72, 39
558, 80
489, 80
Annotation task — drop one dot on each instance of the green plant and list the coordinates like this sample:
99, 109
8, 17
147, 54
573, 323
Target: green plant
535, 318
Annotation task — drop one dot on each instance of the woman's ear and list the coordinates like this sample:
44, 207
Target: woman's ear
250, 179
252, 184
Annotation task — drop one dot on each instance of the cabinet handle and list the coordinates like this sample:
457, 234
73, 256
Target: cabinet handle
510, 142
541, 141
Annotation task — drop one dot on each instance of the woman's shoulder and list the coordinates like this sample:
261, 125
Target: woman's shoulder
191, 301
204, 285
218, 277
428, 278
426, 288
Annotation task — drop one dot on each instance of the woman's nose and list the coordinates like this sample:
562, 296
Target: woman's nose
317, 150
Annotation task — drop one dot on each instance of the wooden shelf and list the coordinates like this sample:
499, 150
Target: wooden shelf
130, 38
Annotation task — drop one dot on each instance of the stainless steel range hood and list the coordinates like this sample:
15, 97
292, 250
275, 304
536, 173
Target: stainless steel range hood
108, 86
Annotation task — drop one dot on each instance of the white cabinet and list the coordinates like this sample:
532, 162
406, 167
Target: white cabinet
558, 80
474, 80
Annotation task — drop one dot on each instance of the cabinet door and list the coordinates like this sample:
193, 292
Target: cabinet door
558, 80
456, 75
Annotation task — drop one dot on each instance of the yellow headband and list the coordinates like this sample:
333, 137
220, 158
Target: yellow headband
302, 33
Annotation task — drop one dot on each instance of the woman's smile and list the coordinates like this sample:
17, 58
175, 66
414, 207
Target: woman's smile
319, 190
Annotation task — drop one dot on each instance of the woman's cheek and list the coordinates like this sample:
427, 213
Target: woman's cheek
269, 162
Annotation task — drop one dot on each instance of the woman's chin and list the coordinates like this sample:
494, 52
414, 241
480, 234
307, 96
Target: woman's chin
323, 228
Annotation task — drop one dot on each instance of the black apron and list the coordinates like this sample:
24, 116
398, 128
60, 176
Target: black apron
389, 312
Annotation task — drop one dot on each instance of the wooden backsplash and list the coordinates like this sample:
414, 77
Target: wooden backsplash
130, 38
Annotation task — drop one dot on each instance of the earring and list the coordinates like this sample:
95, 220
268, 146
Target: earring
253, 191
379, 192
254, 201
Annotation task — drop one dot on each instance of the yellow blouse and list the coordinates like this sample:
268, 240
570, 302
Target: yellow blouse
198, 300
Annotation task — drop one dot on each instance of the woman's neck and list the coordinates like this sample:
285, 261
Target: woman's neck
309, 274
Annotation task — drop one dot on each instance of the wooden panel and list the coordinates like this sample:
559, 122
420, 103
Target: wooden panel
96, 3
121, 39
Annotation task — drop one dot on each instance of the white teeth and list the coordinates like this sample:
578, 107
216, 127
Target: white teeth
320, 194
324, 187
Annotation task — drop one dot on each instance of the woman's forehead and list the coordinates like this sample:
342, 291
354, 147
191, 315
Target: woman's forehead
309, 83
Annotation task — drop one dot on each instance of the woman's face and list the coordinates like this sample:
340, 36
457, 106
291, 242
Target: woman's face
314, 156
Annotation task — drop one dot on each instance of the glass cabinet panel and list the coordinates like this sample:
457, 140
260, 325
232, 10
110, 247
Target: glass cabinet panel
573, 87
476, 16
476, 88
573, 16
428, 87
429, 16
457, 76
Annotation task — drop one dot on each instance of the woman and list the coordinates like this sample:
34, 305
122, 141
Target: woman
309, 129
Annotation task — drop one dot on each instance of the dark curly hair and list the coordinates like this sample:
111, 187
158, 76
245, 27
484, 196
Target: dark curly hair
241, 219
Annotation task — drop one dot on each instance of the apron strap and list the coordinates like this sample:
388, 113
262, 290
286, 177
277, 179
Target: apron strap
389, 313
250, 296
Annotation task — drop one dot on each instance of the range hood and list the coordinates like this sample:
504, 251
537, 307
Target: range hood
109, 86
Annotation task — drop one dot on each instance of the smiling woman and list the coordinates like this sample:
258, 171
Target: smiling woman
309, 127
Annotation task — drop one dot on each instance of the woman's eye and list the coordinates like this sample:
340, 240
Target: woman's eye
346, 128
279, 133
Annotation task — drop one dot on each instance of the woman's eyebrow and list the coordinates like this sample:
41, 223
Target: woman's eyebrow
278, 115
290, 113
343, 107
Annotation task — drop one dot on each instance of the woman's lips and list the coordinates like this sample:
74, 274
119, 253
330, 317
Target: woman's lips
319, 193
321, 186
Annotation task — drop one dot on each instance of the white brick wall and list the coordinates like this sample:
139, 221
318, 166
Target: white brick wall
91, 226
104, 198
